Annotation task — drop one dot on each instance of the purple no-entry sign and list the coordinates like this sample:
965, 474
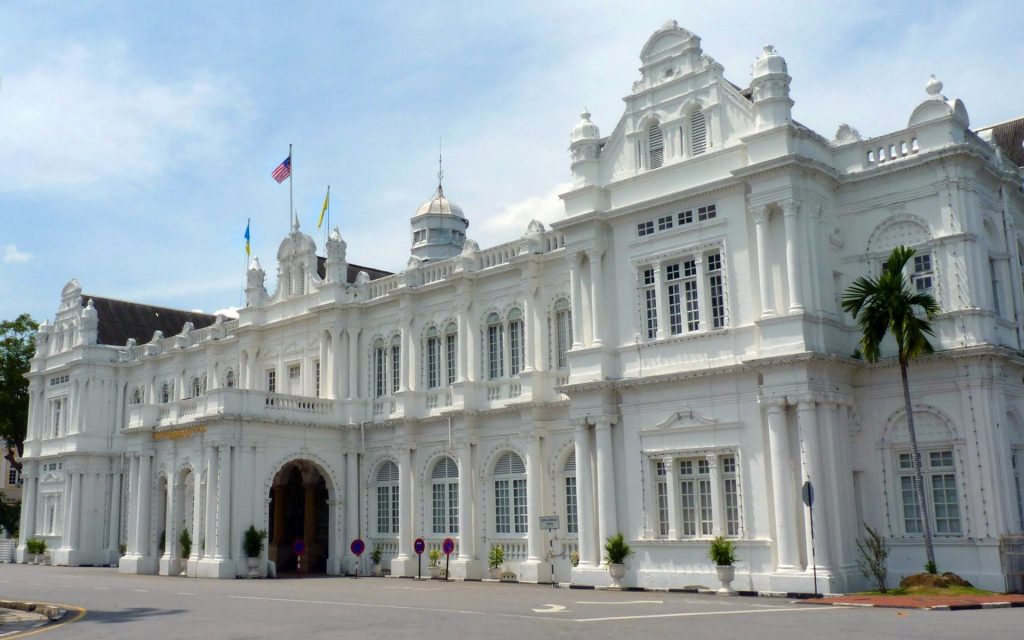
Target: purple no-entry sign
419, 546
358, 547
448, 546
298, 547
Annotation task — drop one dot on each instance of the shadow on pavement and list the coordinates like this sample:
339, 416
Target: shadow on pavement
127, 615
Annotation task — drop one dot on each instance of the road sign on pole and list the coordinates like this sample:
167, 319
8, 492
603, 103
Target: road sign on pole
447, 546
418, 547
807, 492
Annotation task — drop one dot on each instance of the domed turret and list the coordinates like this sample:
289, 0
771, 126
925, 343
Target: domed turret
770, 88
439, 227
585, 147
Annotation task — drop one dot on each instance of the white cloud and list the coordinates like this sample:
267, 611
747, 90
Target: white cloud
513, 219
83, 116
227, 312
13, 256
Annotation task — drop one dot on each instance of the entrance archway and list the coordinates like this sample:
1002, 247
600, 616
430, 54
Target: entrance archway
299, 509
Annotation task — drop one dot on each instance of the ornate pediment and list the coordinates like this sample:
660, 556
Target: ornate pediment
686, 417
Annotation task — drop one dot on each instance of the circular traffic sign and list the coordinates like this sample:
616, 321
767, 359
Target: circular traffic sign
358, 547
448, 546
298, 547
419, 546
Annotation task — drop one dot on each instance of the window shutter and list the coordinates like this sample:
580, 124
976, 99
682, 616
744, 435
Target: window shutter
388, 472
570, 463
445, 468
698, 133
509, 464
656, 145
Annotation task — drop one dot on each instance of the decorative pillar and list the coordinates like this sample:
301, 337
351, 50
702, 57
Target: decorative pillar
672, 495
197, 514
575, 293
704, 294
529, 330
28, 511
339, 381
74, 524
132, 517
170, 554
763, 275
143, 544
534, 473
405, 503
223, 503
353, 363
607, 520
324, 364
114, 534
463, 350
352, 500
790, 212
660, 303
210, 522
783, 491
807, 419
467, 539
589, 555
717, 505
596, 296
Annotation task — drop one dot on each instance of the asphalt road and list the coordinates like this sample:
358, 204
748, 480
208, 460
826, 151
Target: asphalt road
158, 608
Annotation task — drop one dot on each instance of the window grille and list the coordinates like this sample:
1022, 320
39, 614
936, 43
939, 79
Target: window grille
698, 133
656, 145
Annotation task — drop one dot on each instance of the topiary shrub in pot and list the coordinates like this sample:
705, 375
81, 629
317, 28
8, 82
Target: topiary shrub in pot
375, 556
723, 553
252, 544
616, 551
494, 561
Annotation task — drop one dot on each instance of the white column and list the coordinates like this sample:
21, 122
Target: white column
325, 368
763, 275
607, 521
783, 491
585, 497
171, 520
807, 416
405, 502
672, 495
75, 516
339, 381
596, 296
210, 521
351, 497
143, 545
28, 511
197, 511
467, 540
534, 473
132, 518
790, 213
224, 503
717, 504
575, 293
660, 302
463, 347
65, 537
529, 331
703, 294
114, 535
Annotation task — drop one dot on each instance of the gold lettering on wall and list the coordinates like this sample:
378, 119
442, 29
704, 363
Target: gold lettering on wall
180, 433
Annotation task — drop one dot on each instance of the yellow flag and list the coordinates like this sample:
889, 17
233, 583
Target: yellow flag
327, 203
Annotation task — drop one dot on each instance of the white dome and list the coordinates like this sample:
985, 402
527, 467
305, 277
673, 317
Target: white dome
585, 129
440, 205
769, 62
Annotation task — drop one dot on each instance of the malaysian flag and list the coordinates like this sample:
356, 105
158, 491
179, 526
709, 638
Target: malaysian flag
283, 170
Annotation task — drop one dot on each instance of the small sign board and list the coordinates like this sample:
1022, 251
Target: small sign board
298, 547
448, 546
549, 523
419, 546
807, 492
358, 547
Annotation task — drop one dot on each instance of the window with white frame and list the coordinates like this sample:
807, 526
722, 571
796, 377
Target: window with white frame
166, 392
665, 222
316, 378
433, 358
510, 495
645, 228
379, 369
52, 512
419, 236
941, 494
661, 495
495, 347
692, 285
272, 380
572, 519
451, 341
563, 332
655, 145
396, 364
136, 397
923, 273
730, 496
387, 498
515, 342
196, 387
294, 379
229, 379
58, 414
699, 482
445, 493
695, 495
14, 477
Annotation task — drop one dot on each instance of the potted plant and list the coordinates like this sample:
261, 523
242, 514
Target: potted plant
375, 558
723, 554
494, 561
185, 540
36, 548
574, 558
252, 544
616, 550
122, 549
435, 564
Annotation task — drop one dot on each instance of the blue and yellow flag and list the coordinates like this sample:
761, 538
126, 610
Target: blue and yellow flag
327, 205
248, 251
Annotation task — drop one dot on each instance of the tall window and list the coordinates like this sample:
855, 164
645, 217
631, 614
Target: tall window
379, 369
650, 301
716, 291
433, 358
698, 133
495, 347
316, 378
655, 146
445, 489
396, 364
229, 379
165, 392
572, 520
923, 272
563, 332
678, 298
515, 342
136, 396
13, 477
673, 277
197, 387
510, 495
695, 492
940, 490
387, 498
731, 496
294, 379
661, 491
272, 380
451, 340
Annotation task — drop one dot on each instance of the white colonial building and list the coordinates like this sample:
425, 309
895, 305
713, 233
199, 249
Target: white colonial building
668, 361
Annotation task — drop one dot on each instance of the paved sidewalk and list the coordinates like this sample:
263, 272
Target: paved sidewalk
927, 602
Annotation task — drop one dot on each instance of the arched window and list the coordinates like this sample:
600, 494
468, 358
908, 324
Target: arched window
165, 392
445, 491
515, 340
563, 332
197, 387
698, 133
655, 145
379, 368
396, 364
495, 347
451, 340
229, 379
433, 358
387, 498
572, 522
136, 396
510, 495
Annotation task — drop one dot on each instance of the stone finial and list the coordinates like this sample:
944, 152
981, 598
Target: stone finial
933, 87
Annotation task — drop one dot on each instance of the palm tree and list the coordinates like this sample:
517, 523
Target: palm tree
887, 304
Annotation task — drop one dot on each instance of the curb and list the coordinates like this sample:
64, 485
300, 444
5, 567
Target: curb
974, 606
51, 612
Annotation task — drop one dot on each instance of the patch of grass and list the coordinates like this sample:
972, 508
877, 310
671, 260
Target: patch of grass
931, 591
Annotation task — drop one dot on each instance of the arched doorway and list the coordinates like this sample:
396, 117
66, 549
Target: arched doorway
299, 509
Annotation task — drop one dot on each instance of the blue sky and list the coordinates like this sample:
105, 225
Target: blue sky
137, 138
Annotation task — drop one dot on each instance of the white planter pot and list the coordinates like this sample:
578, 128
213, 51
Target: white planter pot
436, 571
726, 573
494, 573
378, 570
617, 571
254, 567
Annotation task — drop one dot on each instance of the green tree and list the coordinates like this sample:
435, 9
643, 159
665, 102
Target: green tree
17, 345
888, 305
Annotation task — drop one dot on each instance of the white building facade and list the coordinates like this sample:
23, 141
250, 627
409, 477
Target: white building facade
668, 361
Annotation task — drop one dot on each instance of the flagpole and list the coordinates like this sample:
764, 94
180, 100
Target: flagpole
291, 172
328, 209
